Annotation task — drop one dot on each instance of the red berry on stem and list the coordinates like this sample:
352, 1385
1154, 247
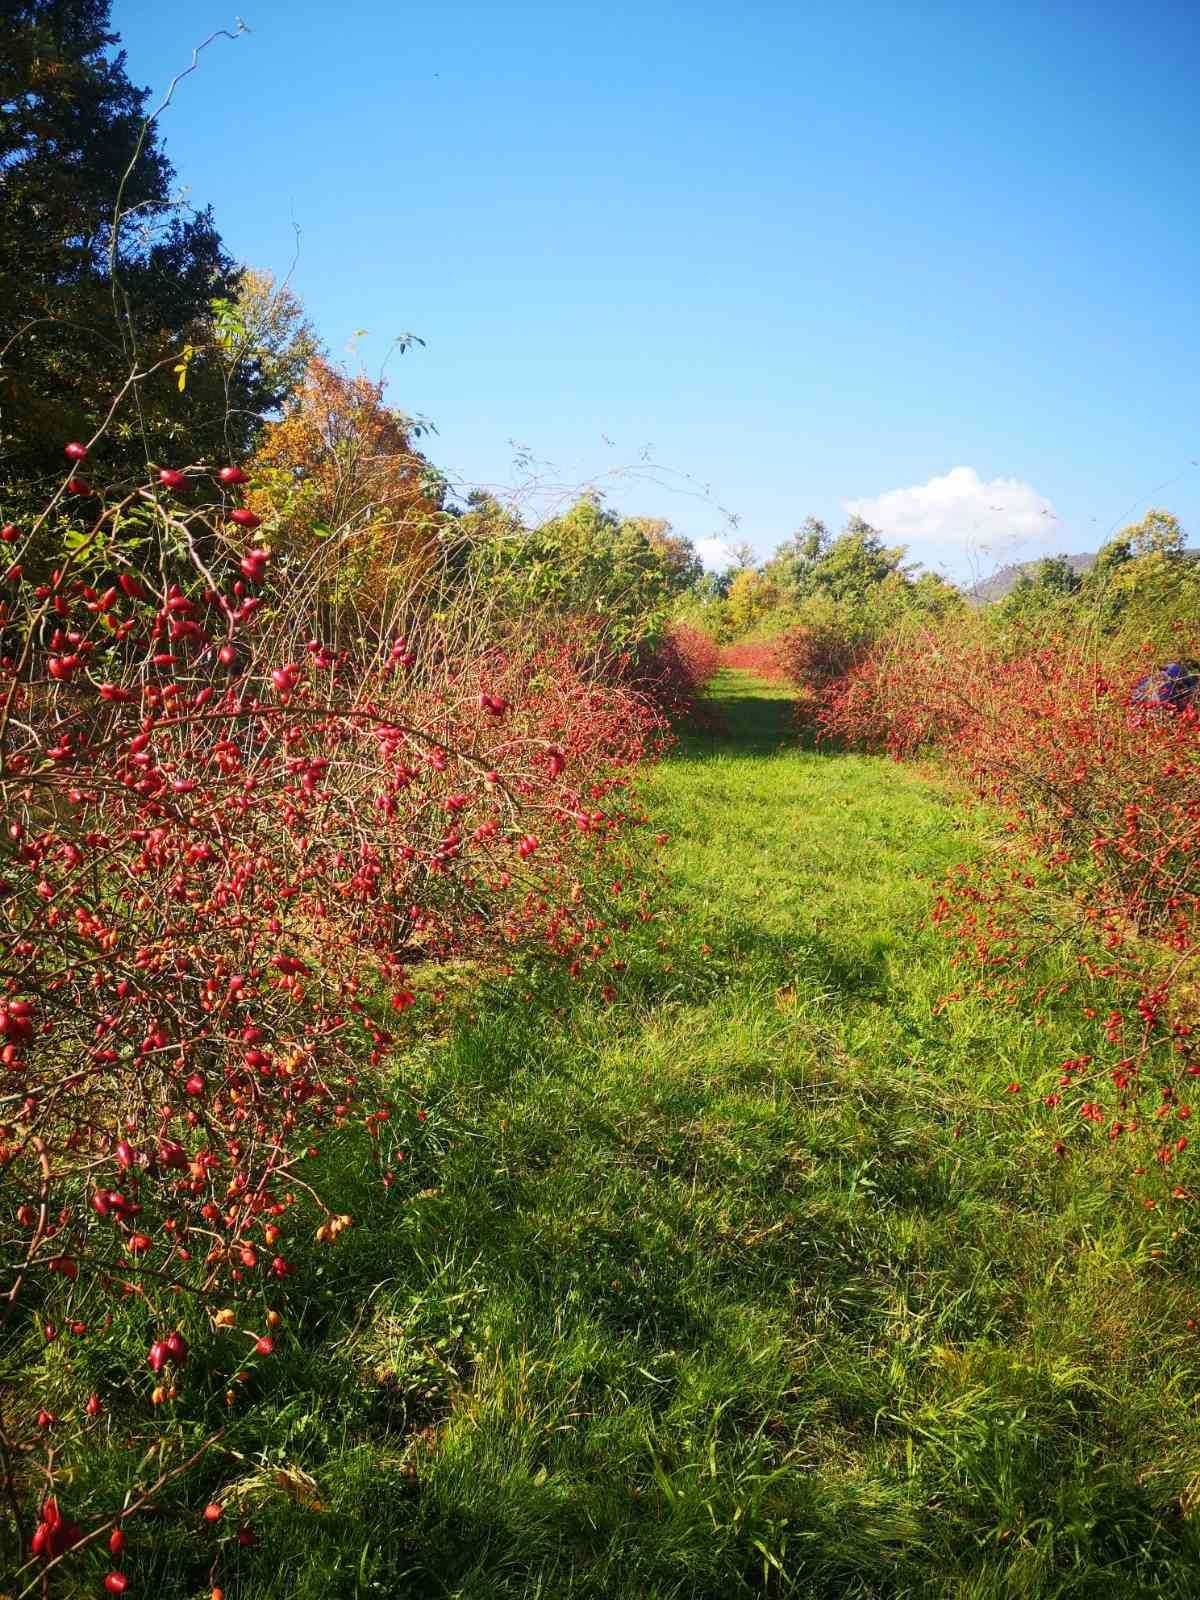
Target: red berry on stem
244, 518
176, 1347
171, 478
232, 475
75, 452
116, 1583
253, 563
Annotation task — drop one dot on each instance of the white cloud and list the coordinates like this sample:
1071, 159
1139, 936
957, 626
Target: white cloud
959, 510
715, 554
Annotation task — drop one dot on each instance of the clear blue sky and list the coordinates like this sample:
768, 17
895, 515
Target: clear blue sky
801, 255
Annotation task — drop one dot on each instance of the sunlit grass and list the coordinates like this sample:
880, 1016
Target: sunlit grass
754, 1282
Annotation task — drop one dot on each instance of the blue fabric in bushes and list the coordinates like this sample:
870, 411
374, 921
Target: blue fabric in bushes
1173, 684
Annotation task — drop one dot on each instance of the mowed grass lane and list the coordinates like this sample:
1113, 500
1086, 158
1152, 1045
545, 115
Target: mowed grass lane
756, 1281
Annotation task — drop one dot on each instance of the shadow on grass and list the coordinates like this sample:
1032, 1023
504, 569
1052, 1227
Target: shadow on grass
748, 725
747, 957
750, 716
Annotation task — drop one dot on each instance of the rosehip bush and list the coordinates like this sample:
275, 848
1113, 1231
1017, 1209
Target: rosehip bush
815, 655
237, 824
758, 656
671, 673
1099, 801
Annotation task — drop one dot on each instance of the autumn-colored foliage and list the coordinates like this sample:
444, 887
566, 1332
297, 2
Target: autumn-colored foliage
814, 655
339, 484
758, 656
672, 672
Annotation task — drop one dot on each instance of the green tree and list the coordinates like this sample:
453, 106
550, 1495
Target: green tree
792, 565
1157, 584
101, 276
1039, 590
752, 598
588, 561
1158, 533
264, 332
854, 564
680, 564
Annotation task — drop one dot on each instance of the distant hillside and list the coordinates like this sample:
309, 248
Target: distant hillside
1000, 583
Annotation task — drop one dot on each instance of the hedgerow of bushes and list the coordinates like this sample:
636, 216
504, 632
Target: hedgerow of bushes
1098, 855
242, 818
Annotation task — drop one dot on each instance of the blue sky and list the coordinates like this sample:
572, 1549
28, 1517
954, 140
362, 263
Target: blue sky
936, 261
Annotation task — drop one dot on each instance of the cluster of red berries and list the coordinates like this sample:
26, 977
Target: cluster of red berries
1101, 809
228, 838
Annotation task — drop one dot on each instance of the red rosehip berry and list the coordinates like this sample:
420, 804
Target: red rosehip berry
176, 1347
253, 564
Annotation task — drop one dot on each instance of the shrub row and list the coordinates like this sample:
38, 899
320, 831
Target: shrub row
758, 656
237, 825
1099, 856
672, 673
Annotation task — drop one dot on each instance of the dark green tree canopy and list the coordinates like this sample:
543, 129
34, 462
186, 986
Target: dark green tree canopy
82, 307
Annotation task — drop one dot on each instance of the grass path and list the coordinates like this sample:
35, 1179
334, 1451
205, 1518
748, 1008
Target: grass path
755, 1282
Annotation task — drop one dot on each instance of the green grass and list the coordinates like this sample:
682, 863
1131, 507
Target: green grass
755, 1282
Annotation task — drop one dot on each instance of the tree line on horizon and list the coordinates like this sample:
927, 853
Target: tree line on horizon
109, 288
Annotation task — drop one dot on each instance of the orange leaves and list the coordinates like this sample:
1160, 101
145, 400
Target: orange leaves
339, 470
